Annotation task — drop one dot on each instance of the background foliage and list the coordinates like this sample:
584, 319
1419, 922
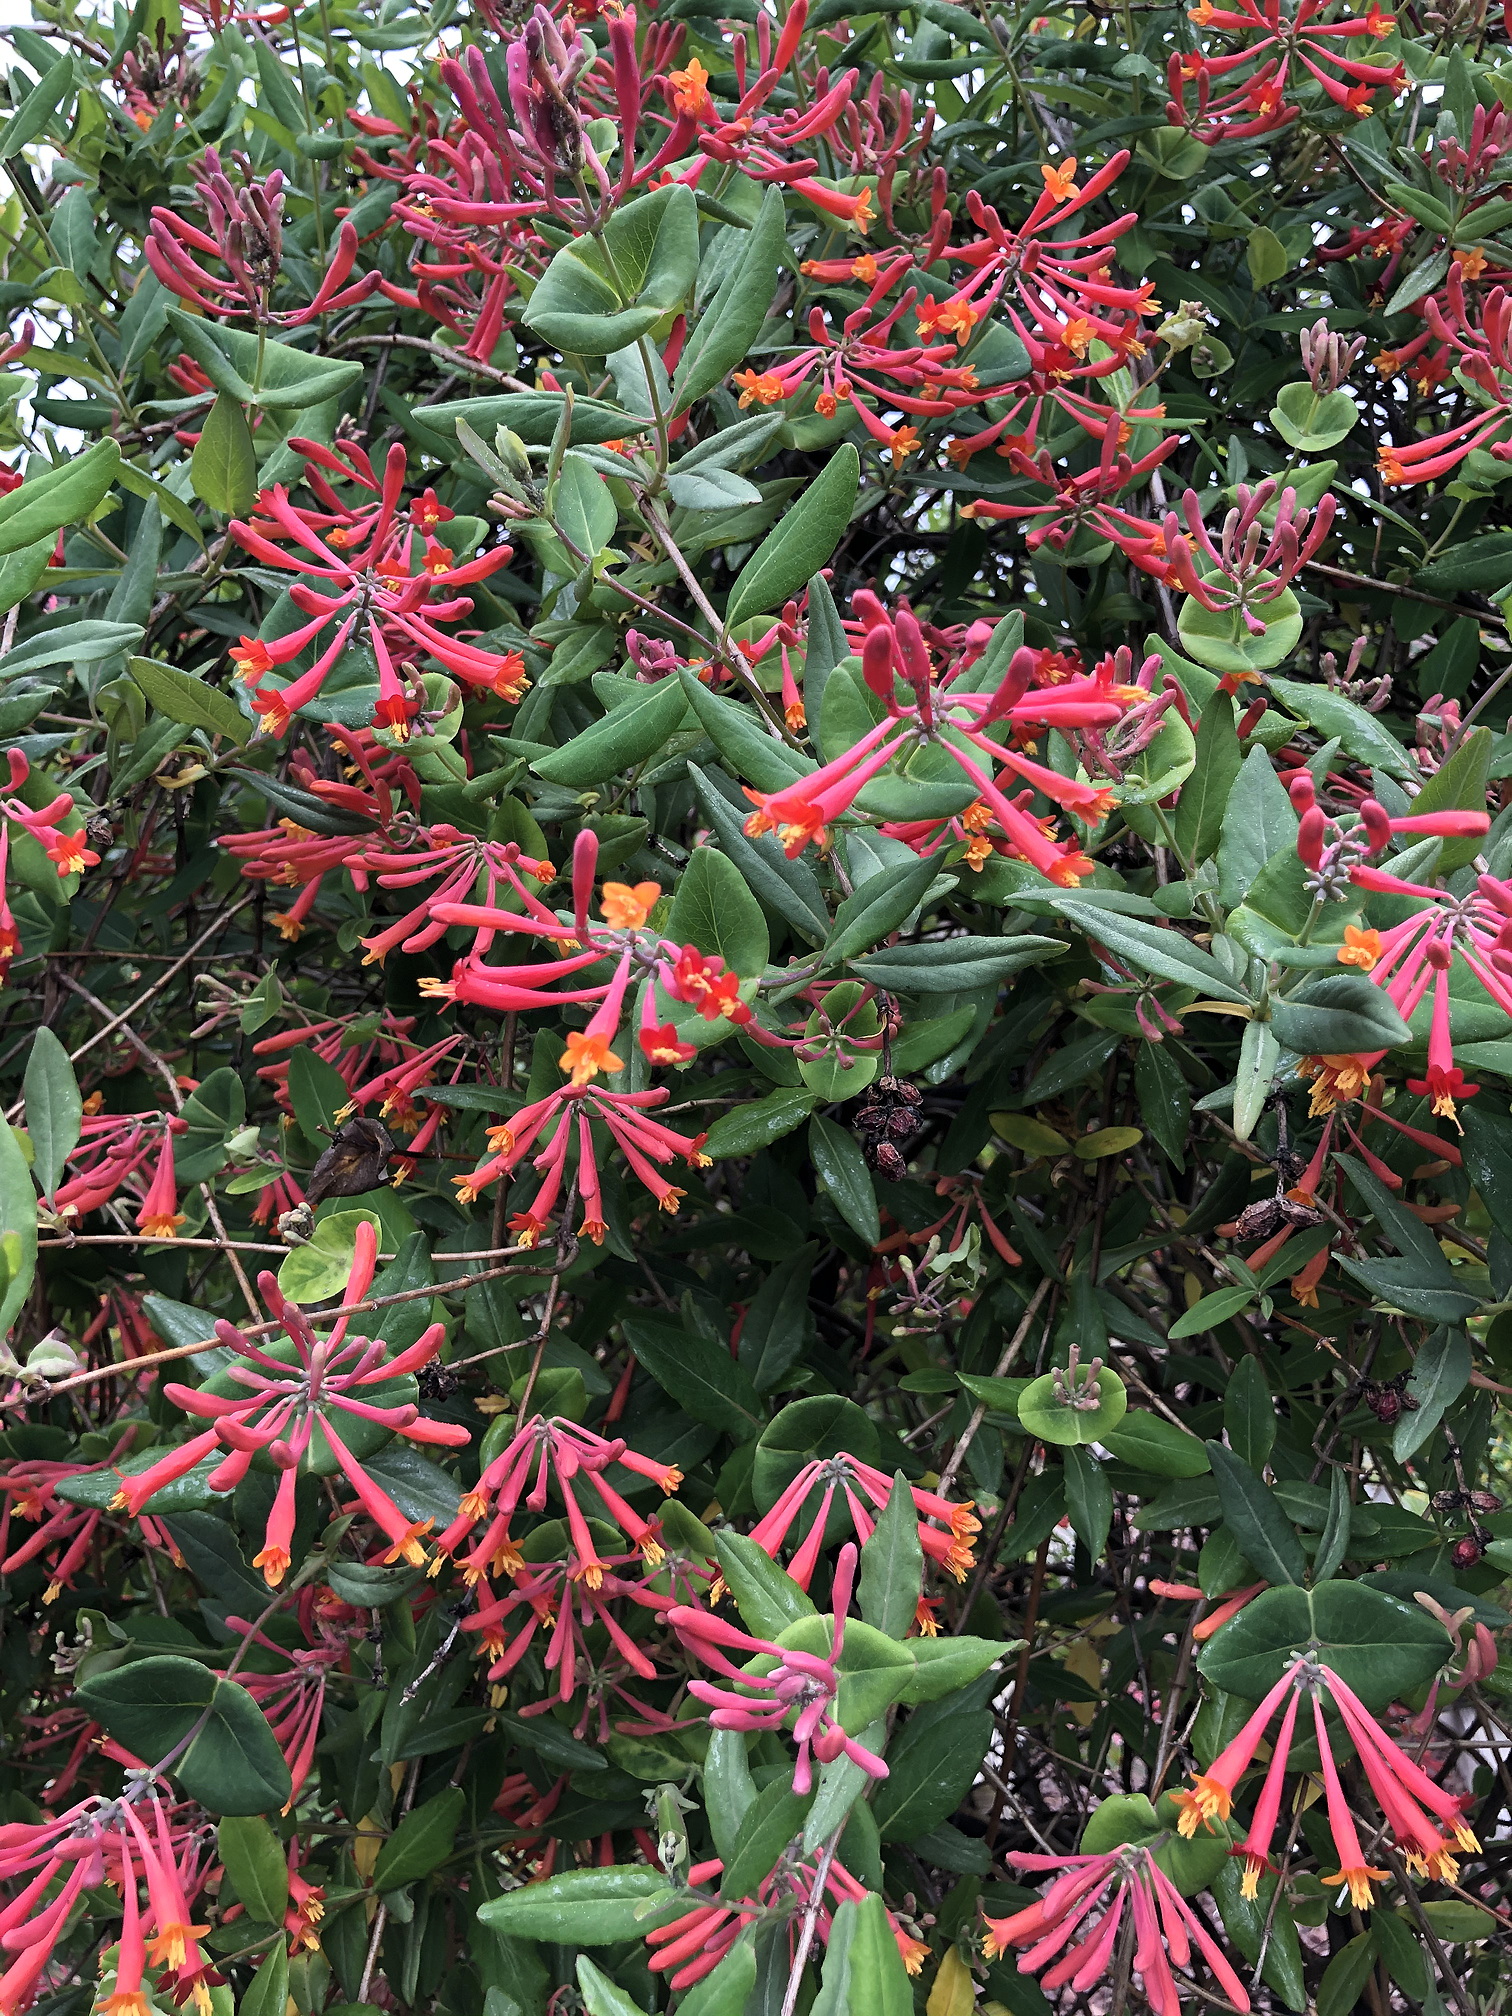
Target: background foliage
783, 737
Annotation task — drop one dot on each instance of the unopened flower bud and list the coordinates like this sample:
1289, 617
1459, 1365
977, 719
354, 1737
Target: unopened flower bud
1377, 825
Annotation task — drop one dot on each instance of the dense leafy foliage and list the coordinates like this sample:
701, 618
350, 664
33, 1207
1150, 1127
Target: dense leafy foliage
756, 942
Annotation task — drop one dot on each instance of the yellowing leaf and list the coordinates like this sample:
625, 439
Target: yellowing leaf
1106, 1141
1021, 1130
1082, 1660
951, 1993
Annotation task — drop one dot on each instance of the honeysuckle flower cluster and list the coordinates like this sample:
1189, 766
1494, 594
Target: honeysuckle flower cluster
864, 1491
286, 1404
943, 710
389, 582
1428, 1822
1099, 1896
139, 1841
801, 1684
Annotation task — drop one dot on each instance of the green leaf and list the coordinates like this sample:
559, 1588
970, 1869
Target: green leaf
777, 1814
1165, 1099
1488, 1156
1149, 1442
714, 910
1402, 1951
1155, 949
944, 1666
1053, 1420
1204, 798
233, 1765
1335, 1012
1439, 1376
1333, 1543
31, 120
700, 1375
1255, 1519
269, 1992
1249, 1414
1378, 1645
1209, 1311
223, 467
421, 1842
255, 1861
583, 508
931, 1765
1266, 257
788, 888
18, 1229
1406, 1231
70, 644
1311, 421
1331, 714
777, 1324
173, 507
319, 1269
892, 1565
1454, 1921
877, 908
734, 318
318, 1092
58, 496
747, 1129
1246, 1920
214, 1110
626, 736
741, 739
1345, 1975
54, 1109
841, 1170
601, 1995
724, 1992
256, 371
183, 697
1421, 279
1258, 823
1221, 639
596, 298
954, 965
879, 1983
587, 1907
1089, 1500
1259, 1054
767, 1597
728, 1789
800, 542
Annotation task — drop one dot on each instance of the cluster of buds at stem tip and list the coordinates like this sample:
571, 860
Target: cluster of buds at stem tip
1327, 357
1330, 851
802, 1684
543, 68
1076, 1385
1248, 566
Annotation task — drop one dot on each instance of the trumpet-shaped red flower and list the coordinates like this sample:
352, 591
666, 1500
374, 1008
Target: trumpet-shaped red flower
1417, 1809
694, 1944
246, 236
392, 588
560, 1452
865, 1492
1165, 1927
132, 1842
1287, 41
286, 1402
801, 1684
947, 712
